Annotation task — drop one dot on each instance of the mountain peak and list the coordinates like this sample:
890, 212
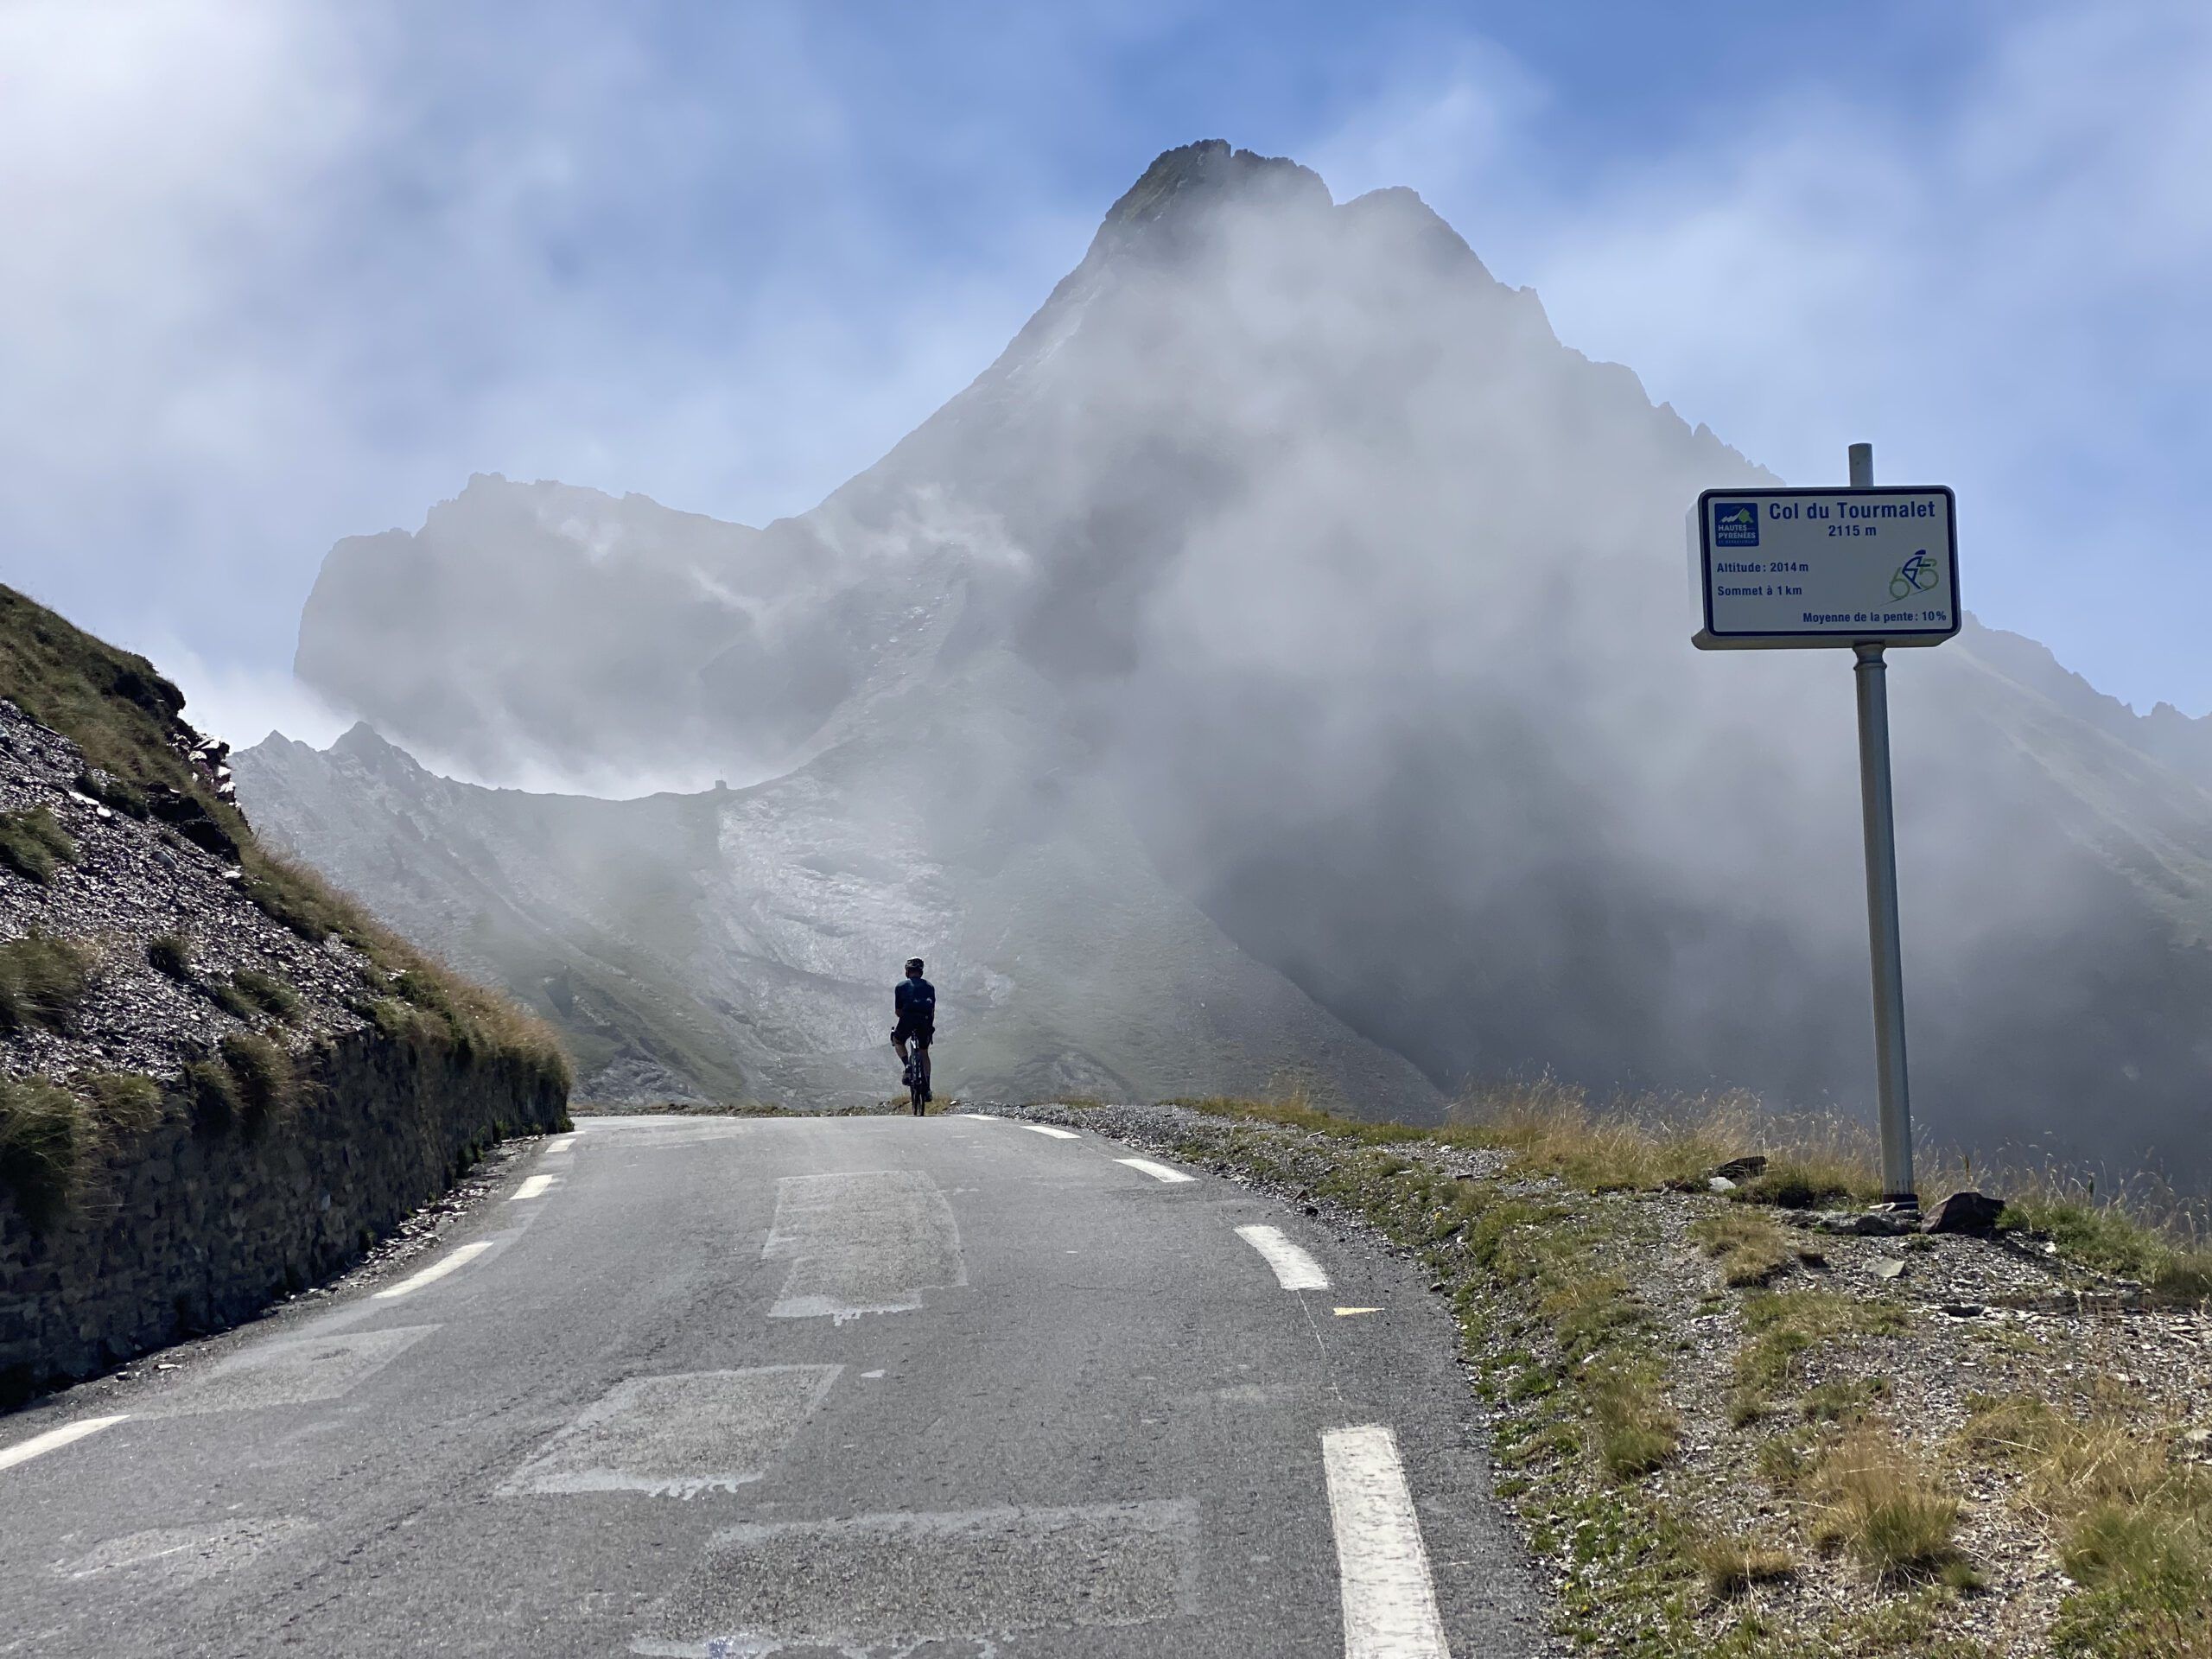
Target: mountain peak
1194, 179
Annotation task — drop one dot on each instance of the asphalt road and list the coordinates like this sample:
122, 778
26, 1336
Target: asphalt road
937, 1388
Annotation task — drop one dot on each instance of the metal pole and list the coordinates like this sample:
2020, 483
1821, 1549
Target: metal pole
1880, 823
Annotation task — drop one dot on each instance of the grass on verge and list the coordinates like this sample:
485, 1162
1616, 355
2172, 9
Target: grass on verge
1648, 1142
1733, 1563
2133, 1514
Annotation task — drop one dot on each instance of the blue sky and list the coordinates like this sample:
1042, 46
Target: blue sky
280, 273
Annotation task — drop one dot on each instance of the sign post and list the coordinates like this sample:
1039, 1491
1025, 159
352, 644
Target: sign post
1869, 568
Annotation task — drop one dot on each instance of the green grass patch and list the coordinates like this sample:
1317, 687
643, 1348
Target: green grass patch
50, 1144
262, 1076
43, 981
1780, 1327
32, 843
2132, 1516
171, 954
231, 1000
1636, 1429
268, 993
2105, 1233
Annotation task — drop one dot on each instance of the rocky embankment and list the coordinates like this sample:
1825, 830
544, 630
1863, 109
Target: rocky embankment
219, 1082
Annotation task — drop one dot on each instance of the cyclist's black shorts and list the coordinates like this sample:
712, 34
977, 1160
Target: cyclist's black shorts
912, 1030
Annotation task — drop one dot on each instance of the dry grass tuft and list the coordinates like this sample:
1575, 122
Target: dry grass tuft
1643, 1142
171, 954
1637, 1429
1880, 1504
1749, 1244
1731, 1566
49, 1147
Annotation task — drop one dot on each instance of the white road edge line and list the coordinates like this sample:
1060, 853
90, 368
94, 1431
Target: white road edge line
560, 1143
534, 1187
980, 1117
1057, 1134
459, 1258
54, 1439
1390, 1600
1294, 1268
1158, 1171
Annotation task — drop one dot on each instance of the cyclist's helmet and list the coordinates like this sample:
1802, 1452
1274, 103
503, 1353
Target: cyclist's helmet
913, 964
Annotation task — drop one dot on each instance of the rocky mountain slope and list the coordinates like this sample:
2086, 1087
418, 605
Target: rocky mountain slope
218, 1081
739, 944
1286, 536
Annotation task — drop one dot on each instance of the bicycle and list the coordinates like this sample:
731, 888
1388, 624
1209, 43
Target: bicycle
917, 1074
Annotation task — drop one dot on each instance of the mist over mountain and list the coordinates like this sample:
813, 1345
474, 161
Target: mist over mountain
1288, 574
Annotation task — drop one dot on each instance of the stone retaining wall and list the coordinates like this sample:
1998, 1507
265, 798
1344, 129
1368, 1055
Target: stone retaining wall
191, 1231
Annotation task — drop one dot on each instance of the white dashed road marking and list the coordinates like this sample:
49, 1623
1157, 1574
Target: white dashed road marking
533, 1188
560, 1143
1390, 1600
459, 1258
1158, 1171
54, 1439
1294, 1269
1057, 1134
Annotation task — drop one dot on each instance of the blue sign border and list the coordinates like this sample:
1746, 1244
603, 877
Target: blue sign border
1708, 638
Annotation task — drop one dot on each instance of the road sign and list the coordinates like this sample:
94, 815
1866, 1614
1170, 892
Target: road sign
1863, 568
1777, 568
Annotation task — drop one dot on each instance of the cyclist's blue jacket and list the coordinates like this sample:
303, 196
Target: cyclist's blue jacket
915, 999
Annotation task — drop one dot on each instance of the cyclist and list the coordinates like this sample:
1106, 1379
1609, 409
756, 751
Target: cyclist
914, 999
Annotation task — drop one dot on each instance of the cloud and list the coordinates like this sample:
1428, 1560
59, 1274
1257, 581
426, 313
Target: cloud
1998, 279
277, 273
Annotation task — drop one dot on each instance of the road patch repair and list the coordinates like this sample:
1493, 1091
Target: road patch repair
184, 1554
879, 1582
862, 1243
296, 1371
678, 1436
